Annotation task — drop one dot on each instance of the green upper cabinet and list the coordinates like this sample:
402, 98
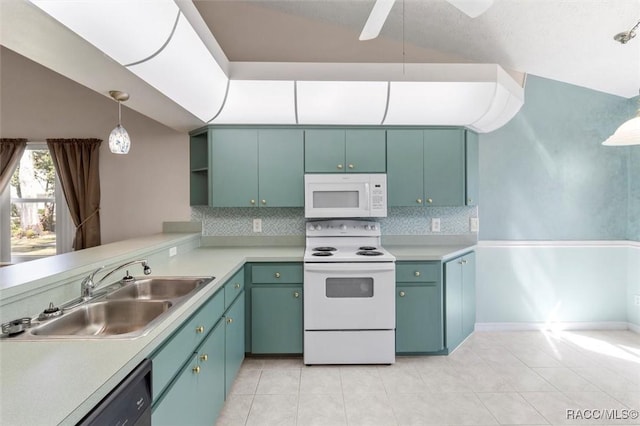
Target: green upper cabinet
199, 168
280, 168
472, 171
257, 167
234, 162
427, 167
351, 150
405, 181
444, 167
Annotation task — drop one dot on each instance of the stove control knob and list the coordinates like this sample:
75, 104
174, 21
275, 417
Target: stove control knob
318, 227
343, 227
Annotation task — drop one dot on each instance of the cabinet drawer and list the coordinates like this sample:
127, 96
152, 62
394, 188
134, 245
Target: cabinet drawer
277, 273
415, 272
233, 288
183, 343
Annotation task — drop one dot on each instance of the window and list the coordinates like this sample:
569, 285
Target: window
35, 219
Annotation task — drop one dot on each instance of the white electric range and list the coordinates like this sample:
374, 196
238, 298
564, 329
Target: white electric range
349, 294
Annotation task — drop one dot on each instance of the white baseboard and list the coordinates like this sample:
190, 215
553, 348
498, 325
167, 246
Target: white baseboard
536, 326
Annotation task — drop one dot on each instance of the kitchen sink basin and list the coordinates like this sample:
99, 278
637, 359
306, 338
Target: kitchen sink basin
105, 318
159, 288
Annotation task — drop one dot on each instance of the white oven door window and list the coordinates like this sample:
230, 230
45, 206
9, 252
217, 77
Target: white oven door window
349, 296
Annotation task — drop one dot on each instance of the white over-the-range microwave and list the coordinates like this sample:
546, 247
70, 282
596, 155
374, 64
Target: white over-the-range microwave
345, 195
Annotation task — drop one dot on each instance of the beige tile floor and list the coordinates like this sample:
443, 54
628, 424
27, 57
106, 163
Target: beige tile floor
532, 378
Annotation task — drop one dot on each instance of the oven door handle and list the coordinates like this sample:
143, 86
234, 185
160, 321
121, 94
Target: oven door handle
334, 267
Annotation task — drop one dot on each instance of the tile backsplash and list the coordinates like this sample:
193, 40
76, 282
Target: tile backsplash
290, 221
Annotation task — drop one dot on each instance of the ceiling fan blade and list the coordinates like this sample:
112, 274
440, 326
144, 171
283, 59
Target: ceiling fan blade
472, 8
376, 19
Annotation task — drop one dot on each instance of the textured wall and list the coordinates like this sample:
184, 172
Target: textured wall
290, 221
546, 176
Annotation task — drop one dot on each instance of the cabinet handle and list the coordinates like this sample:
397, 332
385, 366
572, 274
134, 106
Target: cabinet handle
339, 166
196, 369
469, 200
296, 294
264, 202
253, 202
402, 294
204, 357
416, 273
351, 166
277, 275
229, 320
236, 285
200, 329
459, 262
464, 261
419, 201
429, 200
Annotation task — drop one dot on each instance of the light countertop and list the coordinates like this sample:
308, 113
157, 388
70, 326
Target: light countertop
58, 382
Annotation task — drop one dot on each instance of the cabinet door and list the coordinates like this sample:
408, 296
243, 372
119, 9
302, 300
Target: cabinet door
210, 378
280, 168
234, 341
418, 318
453, 303
234, 163
324, 151
179, 404
365, 151
276, 320
444, 160
472, 171
468, 294
405, 182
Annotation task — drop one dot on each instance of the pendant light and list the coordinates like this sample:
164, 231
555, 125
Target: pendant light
119, 141
629, 132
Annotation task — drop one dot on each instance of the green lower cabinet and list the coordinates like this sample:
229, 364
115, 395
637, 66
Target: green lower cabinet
460, 299
197, 394
418, 319
276, 319
234, 341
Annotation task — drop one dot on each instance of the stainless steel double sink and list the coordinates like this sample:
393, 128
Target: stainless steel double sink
126, 311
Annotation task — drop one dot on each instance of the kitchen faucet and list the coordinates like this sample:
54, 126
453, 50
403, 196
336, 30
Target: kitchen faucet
88, 286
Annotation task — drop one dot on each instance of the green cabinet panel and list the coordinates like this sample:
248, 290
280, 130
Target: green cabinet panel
472, 170
419, 318
280, 168
233, 288
324, 151
234, 163
444, 160
234, 341
418, 272
276, 319
197, 394
460, 299
274, 273
365, 151
405, 179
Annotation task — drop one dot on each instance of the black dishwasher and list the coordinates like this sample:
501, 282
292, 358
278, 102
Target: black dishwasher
128, 404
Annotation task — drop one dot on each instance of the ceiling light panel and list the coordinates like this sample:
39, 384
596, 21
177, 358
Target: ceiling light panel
258, 102
438, 103
186, 72
126, 30
341, 102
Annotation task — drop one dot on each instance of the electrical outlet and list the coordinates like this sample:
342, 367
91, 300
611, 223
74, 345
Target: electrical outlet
474, 224
636, 300
173, 251
435, 224
257, 225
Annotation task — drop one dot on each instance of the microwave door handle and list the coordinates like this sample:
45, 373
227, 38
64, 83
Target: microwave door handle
366, 191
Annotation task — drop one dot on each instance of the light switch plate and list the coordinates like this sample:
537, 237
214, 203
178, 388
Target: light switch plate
257, 225
474, 224
435, 224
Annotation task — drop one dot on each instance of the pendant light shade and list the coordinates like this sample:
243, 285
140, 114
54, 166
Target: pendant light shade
627, 134
119, 141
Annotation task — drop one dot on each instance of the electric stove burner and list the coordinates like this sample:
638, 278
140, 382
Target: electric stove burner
369, 253
324, 249
322, 253
368, 248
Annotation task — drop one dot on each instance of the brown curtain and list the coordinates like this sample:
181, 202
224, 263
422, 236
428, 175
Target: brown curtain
76, 162
10, 153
